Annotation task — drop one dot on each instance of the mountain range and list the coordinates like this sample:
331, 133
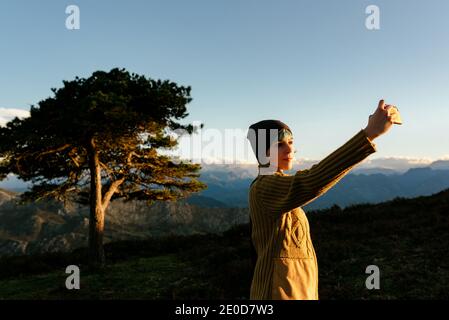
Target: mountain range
369, 185
406, 239
51, 226
56, 226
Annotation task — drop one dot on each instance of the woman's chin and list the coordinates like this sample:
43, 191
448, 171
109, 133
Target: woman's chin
287, 165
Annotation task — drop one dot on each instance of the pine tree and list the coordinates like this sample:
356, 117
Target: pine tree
98, 139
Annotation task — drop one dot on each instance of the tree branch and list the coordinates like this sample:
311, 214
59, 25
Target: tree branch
112, 188
63, 147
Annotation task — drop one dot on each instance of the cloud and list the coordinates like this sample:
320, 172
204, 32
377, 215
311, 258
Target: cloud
399, 164
7, 114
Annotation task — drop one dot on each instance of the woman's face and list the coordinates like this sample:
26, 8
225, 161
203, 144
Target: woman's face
285, 153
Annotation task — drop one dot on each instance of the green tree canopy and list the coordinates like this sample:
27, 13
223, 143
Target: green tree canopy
100, 137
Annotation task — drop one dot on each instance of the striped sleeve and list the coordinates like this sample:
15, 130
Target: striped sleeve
280, 194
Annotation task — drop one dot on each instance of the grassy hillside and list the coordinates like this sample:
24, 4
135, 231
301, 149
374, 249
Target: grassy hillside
174, 267
406, 238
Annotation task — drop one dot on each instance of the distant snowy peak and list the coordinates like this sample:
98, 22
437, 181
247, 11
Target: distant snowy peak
386, 165
440, 165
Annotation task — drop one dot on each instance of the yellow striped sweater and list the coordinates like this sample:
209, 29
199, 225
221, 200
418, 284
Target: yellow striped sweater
286, 266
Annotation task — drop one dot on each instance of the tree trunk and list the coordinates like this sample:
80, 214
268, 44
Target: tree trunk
96, 219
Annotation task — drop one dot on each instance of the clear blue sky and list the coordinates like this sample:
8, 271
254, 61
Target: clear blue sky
312, 64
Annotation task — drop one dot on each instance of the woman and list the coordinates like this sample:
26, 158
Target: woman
286, 265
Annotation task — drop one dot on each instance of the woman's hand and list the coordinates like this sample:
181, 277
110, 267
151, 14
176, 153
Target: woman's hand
381, 120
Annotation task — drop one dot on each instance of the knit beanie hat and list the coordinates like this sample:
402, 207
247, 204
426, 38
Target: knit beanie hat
263, 134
